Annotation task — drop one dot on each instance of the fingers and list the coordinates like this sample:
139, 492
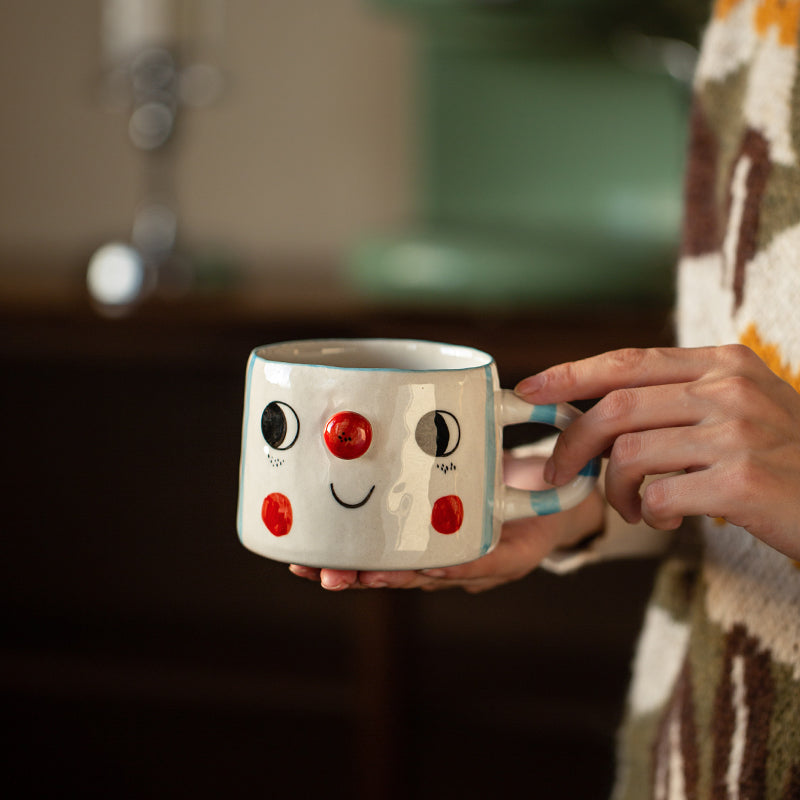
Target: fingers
443, 578
397, 579
744, 487
522, 546
748, 400
636, 456
309, 573
524, 472
599, 375
621, 413
666, 501
335, 580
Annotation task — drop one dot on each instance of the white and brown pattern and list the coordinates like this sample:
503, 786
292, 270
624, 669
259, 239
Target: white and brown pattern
723, 721
742, 716
676, 759
751, 587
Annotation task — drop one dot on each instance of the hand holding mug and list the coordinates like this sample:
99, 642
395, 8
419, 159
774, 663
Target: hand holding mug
715, 425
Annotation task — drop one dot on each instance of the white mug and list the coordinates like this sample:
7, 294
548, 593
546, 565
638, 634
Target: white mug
383, 454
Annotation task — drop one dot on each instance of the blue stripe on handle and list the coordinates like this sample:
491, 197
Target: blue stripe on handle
545, 502
248, 386
491, 462
592, 469
545, 414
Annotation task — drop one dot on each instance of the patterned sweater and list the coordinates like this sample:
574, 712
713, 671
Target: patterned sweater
714, 705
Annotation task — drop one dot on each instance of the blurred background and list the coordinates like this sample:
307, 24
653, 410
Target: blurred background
183, 180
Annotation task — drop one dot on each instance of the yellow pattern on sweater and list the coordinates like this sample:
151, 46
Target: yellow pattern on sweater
770, 354
724, 7
783, 14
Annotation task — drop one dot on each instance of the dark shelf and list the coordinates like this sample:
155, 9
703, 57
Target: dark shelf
145, 653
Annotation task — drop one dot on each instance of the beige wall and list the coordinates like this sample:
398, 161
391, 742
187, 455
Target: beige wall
308, 147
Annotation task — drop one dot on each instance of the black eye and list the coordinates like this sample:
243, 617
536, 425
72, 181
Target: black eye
438, 433
279, 425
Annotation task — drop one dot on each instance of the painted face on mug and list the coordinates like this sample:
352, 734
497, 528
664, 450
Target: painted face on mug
383, 454
383, 466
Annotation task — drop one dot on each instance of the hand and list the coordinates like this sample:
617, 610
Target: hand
717, 416
522, 546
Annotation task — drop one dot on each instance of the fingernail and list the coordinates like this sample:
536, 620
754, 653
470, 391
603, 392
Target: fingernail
302, 572
529, 386
433, 573
376, 585
549, 471
330, 585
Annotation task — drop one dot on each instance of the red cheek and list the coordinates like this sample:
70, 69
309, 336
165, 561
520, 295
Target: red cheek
447, 514
276, 511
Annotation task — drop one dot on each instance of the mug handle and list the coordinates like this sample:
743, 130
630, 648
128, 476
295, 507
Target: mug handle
518, 503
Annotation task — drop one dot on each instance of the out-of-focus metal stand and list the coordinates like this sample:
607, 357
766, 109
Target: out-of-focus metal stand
160, 58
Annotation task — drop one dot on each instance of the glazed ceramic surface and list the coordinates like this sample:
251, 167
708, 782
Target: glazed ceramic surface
382, 454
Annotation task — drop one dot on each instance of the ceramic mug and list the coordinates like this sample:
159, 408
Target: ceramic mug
383, 454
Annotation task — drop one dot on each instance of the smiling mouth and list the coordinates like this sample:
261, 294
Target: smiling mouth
351, 505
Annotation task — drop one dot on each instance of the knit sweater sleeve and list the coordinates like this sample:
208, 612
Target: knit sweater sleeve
715, 697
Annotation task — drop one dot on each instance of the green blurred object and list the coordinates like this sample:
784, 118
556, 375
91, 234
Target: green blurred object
550, 164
